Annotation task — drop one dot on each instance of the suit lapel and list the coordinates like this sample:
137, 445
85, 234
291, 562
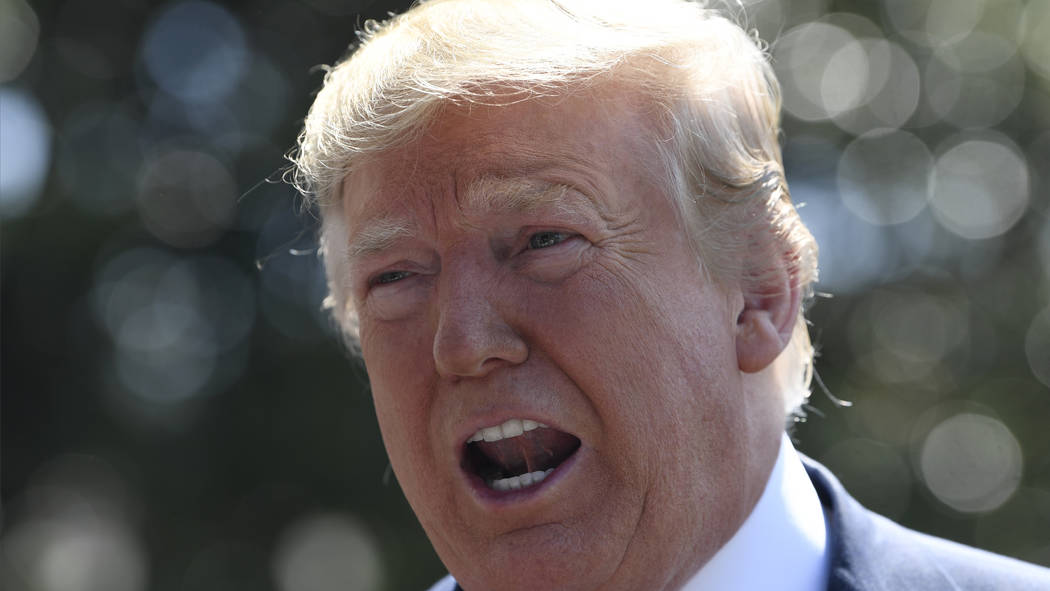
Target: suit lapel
843, 537
868, 552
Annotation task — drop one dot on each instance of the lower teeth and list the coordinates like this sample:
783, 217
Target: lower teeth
522, 481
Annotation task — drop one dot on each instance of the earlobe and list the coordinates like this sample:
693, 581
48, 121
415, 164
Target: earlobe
764, 327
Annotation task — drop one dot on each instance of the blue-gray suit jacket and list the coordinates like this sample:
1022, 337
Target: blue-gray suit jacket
872, 553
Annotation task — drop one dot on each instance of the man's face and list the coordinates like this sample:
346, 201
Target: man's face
523, 267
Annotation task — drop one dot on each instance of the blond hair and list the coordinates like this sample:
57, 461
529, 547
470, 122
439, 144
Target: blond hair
710, 81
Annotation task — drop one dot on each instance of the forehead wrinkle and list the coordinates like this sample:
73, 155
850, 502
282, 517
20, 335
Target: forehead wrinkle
500, 195
383, 222
488, 194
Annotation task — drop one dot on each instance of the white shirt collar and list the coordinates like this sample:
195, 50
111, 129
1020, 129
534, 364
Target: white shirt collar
781, 546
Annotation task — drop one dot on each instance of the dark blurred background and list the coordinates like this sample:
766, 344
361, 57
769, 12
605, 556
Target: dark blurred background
177, 413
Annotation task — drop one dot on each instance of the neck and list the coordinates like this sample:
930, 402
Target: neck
784, 534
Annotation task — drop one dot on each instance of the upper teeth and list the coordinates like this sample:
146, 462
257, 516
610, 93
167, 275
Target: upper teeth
511, 428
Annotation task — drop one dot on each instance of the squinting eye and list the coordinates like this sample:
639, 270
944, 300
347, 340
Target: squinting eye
390, 277
546, 239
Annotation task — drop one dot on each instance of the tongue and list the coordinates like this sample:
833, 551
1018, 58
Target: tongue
538, 449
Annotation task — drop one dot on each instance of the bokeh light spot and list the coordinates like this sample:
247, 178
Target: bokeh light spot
846, 78
948, 21
902, 335
971, 462
327, 552
811, 164
25, 151
907, 16
883, 176
976, 82
186, 198
892, 93
802, 58
980, 187
934, 22
171, 320
916, 325
1034, 31
195, 51
71, 529
76, 553
19, 29
1037, 346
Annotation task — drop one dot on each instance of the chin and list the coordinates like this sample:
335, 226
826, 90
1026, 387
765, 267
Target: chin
541, 557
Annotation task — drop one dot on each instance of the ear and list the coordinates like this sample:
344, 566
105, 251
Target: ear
767, 320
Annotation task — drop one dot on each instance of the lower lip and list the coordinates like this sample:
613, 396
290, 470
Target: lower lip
508, 497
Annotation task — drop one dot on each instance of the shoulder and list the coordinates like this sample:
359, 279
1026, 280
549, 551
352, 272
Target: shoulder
971, 568
871, 553
445, 584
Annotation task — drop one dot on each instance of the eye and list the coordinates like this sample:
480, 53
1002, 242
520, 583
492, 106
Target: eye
390, 277
547, 239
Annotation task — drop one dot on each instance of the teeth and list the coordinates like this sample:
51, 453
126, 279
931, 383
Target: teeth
511, 428
519, 482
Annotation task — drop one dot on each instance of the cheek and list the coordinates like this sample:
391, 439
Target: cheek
651, 360
401, 396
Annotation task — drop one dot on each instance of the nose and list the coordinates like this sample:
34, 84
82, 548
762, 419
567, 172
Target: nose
473, 334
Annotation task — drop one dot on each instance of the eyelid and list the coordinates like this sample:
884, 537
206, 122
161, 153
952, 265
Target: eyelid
410, 259
408, 269
527, 233
376, 279
564, 236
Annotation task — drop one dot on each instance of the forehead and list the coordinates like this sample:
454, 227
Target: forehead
499, 158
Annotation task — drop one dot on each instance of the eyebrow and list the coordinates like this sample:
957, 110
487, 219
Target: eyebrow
379, 235
489, 194
512, 195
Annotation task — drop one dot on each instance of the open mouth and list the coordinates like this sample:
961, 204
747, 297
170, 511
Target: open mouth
517, 454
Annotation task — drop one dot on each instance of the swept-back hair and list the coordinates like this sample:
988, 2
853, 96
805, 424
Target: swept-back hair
709, 81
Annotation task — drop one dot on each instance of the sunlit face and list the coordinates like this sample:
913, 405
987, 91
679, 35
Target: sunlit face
521, 270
